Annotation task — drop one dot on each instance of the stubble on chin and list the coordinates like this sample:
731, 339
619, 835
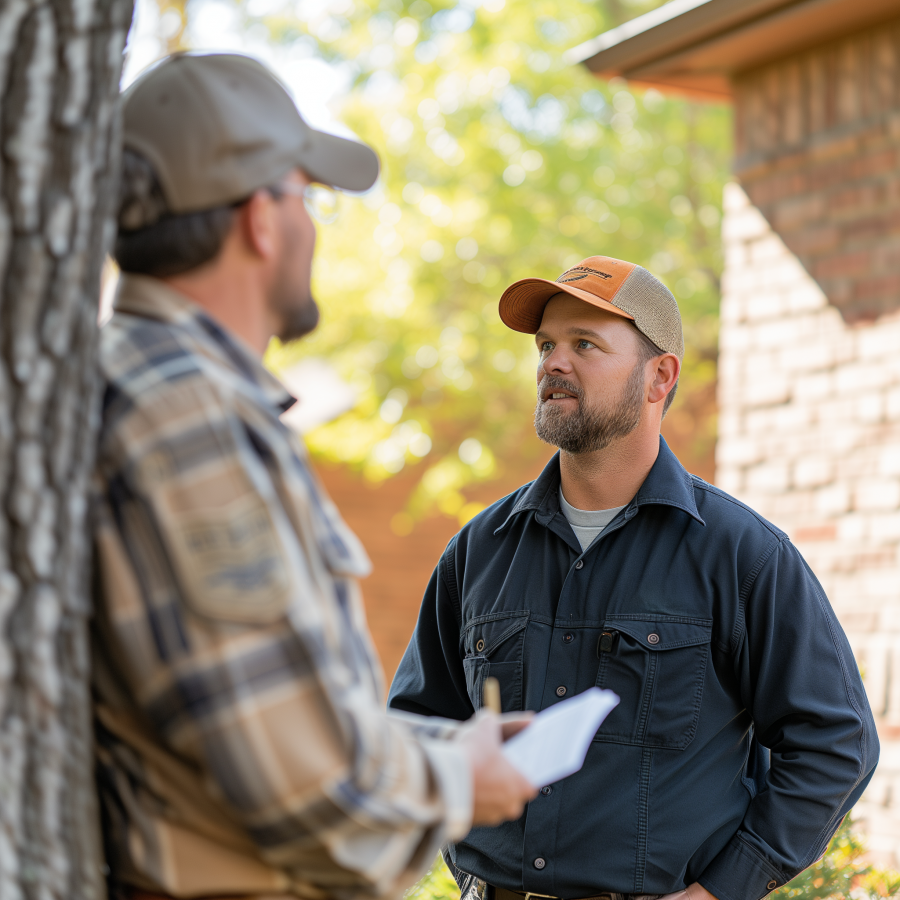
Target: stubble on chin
589, 429
298, 322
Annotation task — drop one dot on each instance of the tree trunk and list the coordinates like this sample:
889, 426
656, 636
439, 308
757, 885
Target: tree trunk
60, 63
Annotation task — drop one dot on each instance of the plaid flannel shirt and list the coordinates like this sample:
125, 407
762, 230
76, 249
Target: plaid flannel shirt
242, 743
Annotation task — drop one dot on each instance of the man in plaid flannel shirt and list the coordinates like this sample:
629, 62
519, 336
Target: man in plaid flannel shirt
243, 749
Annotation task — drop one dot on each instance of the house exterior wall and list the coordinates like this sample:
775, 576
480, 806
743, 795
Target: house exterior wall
809, 366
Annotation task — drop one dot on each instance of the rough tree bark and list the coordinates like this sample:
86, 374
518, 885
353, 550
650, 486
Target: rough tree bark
60, 63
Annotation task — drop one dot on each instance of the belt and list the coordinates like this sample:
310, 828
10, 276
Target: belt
504, 894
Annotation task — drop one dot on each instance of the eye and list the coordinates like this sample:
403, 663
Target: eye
545, 347
584, 345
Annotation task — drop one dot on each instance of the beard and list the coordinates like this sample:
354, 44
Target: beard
297, 320
588, 429
291, 299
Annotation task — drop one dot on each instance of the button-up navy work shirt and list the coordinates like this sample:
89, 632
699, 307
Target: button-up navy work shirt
743, 734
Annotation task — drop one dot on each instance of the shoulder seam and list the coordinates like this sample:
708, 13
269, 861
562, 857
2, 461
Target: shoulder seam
702, 485
740, 625
448, 559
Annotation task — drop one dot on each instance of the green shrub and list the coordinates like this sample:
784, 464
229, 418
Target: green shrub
842, 873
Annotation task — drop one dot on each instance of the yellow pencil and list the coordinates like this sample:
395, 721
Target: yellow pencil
492, 694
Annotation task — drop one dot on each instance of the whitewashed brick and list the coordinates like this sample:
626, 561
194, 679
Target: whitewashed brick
769, 478
883, 583
806, 297
744, 225
767, 389
735, 340
885, 527
731, 310
858, 378
852, 527
795, 419
738, 451
870, 407
889, 459
877, 494
813, 471
814, 386
763, 305
736, 256
767, 248
730, 425
734, 197
892, 405
729, 478
833, 500
880, 339
804, 355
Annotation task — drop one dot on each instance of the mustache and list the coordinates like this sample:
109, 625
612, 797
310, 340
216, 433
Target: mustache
548, 382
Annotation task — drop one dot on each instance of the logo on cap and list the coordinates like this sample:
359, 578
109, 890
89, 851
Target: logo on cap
579, 272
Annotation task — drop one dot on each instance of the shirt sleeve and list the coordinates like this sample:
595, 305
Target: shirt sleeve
430, 680
249, 654
798, 678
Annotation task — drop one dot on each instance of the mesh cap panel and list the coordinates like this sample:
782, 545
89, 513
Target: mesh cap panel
654, 310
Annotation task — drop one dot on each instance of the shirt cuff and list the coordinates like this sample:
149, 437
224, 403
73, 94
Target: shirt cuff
453, 774
427, 726
741, 873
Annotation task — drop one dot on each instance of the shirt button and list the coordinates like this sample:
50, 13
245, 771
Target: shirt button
540, 862
769, 887
579, 564
652, 638
560, 691
568, 637
479, 646
546, 791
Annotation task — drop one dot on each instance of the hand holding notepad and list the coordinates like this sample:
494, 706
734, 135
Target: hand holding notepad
556, 742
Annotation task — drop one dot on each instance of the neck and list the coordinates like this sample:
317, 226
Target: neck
608, 478
233, 296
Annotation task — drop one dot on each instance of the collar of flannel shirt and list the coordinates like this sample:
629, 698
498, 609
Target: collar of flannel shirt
231, 359
151, 298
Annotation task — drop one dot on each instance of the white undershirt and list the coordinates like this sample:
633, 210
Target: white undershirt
587, 523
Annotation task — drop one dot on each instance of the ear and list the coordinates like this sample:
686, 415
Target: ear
257, 225
668, 368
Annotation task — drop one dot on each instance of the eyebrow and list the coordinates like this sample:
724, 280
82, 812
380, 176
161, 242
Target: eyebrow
573, 331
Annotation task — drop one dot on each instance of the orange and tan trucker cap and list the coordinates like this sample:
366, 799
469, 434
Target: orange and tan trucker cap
217, 127
619, 287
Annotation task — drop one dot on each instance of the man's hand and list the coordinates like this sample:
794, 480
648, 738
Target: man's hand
500, 791
691, 892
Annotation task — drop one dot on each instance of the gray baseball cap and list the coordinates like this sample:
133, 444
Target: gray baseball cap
217, 127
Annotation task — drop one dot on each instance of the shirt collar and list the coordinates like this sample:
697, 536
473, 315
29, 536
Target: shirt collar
141, 295
668, 483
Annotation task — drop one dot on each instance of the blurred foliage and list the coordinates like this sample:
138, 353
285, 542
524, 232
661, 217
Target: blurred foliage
437, 884
842, 874
501, 160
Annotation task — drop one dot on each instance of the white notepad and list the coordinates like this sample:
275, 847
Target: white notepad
556, 742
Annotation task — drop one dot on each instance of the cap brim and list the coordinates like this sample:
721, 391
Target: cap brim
522, 304
339, 162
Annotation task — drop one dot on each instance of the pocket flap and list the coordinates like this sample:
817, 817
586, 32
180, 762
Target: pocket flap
664, 633
485, 634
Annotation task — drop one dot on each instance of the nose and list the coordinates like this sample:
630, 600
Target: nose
554, 363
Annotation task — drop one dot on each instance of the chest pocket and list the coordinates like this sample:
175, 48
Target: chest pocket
495, 645
657, 666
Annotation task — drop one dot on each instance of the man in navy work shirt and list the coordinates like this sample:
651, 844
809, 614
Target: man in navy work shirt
743, 734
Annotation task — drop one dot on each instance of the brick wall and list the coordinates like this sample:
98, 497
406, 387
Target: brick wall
818, 153
809, 435
809, 368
